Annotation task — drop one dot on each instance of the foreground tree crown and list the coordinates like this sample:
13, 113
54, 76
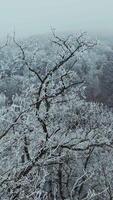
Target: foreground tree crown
54, 143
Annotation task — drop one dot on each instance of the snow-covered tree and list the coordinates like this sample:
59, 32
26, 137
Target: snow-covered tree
54, 145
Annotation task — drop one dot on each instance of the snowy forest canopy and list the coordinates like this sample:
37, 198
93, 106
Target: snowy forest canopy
56, 118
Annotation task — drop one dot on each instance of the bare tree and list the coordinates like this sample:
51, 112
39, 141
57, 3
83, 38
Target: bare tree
47, 167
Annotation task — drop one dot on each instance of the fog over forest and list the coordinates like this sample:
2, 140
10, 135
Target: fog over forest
56, 100
37, 16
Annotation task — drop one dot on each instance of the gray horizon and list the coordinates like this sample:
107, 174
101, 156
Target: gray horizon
31, 17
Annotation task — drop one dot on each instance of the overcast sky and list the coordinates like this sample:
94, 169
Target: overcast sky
29, 17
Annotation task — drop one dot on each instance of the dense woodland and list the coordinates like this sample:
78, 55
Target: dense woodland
56, 118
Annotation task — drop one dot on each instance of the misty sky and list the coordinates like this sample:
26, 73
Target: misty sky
29, 17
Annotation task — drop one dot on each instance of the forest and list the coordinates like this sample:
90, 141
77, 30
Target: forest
56, 118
